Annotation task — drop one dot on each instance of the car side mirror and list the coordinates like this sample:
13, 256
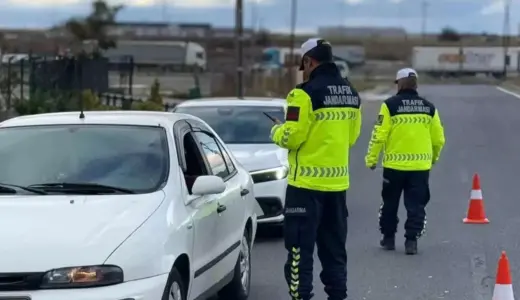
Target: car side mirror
208, 185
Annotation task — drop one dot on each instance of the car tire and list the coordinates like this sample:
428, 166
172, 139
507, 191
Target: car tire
239, 287
175, 287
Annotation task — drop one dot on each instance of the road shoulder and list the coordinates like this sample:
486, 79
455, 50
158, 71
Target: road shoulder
510, 89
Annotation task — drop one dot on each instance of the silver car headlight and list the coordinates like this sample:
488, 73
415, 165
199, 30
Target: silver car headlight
81, 277
270, 174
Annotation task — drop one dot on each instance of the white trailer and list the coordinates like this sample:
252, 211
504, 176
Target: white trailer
187, 54
460, 61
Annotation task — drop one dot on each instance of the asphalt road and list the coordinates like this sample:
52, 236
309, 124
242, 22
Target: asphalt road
456, 261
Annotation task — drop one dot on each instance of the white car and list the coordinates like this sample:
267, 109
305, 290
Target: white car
122, 205
245, 127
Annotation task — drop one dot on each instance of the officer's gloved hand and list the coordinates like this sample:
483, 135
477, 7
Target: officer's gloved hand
372, 167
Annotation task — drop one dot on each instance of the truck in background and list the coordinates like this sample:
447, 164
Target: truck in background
280, 57
167, 55
353, 55
465, 61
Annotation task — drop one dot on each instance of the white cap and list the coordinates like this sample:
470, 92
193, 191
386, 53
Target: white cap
406, 72
317, 48
312, 43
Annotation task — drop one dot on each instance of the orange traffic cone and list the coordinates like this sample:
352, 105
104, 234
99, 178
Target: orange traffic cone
504, 283
476, 213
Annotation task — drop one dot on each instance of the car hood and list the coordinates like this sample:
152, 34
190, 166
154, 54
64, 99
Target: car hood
40, 233
259, 156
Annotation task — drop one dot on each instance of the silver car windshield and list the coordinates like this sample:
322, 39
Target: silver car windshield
128, 157
238, 124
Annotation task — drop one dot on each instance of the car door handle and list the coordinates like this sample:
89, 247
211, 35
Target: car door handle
221, 208
244, 192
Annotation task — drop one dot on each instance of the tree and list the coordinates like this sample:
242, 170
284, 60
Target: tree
154, 101
95, 25
155, 92
449, 34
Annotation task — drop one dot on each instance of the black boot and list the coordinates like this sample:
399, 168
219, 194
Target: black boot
388, 242
410, 247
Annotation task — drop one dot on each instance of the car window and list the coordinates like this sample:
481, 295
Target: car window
213, 154
229, 163
238, 124
129, 157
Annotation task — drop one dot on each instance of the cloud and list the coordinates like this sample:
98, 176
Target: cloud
354, 2
132, 3
212, 3
495, 7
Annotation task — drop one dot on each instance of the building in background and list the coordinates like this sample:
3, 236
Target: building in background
361, 32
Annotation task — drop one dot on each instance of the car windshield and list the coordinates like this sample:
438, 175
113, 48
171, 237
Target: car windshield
267, 57
238, 124
127, 157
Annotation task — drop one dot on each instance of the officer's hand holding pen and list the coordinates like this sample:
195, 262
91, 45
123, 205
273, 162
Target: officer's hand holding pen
275, 120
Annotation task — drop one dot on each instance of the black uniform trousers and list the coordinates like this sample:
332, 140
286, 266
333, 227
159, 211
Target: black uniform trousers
416, 190
315, 217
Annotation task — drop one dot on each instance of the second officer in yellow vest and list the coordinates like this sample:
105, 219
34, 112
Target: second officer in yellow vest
409, 130
323, 121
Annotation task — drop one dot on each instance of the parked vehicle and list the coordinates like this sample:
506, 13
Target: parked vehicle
165, 54
464, 61
276, 57
244, 127
122, 205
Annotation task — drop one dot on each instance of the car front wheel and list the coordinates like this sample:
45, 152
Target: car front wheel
175, 289
238, 288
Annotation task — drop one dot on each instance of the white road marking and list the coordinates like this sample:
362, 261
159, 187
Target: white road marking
503, 90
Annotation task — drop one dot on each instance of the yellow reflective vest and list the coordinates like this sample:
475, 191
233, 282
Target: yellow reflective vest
409, 131
323, 120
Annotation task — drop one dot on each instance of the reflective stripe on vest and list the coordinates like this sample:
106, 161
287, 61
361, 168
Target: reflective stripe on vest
322, 171
335, 115
404, 119
285, 137
407, 157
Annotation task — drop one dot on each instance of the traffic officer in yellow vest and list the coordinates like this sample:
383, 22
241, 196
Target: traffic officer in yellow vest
409, 130
323, 121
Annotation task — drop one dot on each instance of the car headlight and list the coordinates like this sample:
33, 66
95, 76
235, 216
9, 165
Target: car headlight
80, 277
270, 174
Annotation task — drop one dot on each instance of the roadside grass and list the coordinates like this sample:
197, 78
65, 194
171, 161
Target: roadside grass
512, 84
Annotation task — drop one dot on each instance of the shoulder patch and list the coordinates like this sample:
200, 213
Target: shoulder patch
293, 114
380, 119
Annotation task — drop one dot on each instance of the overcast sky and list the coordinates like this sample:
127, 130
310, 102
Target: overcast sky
464, 15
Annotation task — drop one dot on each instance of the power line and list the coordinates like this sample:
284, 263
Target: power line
164, 4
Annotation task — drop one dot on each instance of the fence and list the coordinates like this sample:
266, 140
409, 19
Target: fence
271, 83
125, 102
21, 78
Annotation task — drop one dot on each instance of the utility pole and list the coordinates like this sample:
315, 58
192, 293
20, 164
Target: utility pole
239, 40
424, 17
292, 41
255, 29
506, 35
